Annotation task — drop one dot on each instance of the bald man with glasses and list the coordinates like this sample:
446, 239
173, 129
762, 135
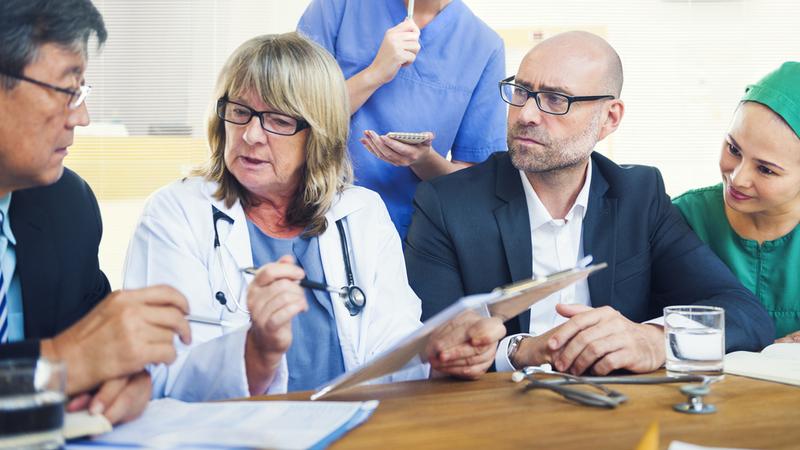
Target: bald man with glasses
551, 201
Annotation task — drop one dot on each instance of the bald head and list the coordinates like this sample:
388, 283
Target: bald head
587, 51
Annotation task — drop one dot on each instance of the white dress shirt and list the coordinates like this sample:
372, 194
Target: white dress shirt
557, 244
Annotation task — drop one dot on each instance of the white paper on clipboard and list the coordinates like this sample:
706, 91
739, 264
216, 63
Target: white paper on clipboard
504, 302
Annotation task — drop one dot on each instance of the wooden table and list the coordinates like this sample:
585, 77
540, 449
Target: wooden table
495, 413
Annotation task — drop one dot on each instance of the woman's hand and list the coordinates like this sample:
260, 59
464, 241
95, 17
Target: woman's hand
790, 338
466, 346
274, 298
399, 48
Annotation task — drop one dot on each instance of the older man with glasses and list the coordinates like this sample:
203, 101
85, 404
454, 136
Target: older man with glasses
55, 302
551, 201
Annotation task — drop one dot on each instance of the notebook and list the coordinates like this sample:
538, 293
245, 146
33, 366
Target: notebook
778, 362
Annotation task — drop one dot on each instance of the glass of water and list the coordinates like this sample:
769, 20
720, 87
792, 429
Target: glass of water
695, 339
31, 404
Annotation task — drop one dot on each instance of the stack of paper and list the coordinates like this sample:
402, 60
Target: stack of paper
169, 423
777, 362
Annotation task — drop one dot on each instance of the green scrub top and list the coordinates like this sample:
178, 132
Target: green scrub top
770, 270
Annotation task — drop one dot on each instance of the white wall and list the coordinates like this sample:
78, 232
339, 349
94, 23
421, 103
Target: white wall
686, 65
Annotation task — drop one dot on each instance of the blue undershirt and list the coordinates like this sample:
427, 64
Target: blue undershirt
315, 356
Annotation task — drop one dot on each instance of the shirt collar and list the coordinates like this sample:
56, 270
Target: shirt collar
5, 203
538, 213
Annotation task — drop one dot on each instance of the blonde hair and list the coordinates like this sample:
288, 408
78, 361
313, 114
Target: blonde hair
299, 78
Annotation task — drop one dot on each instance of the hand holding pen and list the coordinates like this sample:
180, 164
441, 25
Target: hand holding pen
274, 298
304, 282
398, 49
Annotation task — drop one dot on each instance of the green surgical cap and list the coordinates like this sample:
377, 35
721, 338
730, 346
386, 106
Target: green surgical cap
780, 91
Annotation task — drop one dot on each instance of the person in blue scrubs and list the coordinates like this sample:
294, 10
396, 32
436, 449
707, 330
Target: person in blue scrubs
437, 73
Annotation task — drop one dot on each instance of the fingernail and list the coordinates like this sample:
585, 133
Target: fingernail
553, 344
96, 409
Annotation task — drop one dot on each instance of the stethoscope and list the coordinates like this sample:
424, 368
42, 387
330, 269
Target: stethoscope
353, 296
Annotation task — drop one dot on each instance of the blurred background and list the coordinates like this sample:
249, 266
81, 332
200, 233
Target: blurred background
686, 65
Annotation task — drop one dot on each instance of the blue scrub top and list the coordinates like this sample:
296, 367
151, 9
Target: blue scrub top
315, 356
450, 89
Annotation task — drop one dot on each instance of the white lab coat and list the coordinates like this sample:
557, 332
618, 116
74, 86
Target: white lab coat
173, 244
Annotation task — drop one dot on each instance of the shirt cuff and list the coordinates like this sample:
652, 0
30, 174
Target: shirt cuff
501, 361
657, 321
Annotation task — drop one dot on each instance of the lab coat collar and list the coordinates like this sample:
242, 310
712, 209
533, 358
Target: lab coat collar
344, 205
237, 237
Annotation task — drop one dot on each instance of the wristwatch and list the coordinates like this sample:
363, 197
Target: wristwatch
513, 347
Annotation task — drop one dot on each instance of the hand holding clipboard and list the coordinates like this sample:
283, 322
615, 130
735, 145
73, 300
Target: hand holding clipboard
504, 302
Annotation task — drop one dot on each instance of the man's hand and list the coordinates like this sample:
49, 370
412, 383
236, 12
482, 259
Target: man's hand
399, 48
120, 399
398, 153
602, 340
122, 334
790, 338
466, 346
274, 298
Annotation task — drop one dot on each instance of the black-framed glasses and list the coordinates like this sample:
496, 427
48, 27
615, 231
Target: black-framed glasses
271, 121
550, 102
602, 397
76, 96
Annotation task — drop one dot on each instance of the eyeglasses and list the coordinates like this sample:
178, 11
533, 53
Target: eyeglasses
271, 121
554, 103
605, 398
76, 96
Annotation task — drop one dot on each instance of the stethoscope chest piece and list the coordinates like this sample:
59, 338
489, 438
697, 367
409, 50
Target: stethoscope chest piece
354, 299
353, 296
695, 404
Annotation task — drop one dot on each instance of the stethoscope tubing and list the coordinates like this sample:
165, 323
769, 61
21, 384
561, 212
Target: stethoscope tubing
354, 297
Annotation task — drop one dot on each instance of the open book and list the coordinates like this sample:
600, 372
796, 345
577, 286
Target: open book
777, 362
504, 302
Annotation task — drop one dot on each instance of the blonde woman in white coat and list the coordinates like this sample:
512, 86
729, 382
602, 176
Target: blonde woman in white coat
273, 195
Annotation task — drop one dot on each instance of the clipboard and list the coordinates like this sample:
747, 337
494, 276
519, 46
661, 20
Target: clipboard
504, 302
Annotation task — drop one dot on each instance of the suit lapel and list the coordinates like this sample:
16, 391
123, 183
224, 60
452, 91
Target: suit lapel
37, 267
599, 237
515, 230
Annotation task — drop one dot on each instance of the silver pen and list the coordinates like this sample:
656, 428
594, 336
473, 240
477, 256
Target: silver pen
212, 321
305, 282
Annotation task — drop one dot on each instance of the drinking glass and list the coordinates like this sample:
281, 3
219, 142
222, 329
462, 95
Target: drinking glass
31, 404
695, 339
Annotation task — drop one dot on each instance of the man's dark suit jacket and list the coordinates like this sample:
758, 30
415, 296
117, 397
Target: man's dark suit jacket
470, 233
58, 229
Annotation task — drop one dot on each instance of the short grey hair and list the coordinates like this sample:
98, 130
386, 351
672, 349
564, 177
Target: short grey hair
26, 25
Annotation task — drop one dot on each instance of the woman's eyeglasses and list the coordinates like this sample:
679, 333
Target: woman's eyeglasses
271, 121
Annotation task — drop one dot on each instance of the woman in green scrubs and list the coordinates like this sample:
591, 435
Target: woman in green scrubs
751, 219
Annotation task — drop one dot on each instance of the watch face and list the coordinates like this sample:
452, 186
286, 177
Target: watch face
513, 345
